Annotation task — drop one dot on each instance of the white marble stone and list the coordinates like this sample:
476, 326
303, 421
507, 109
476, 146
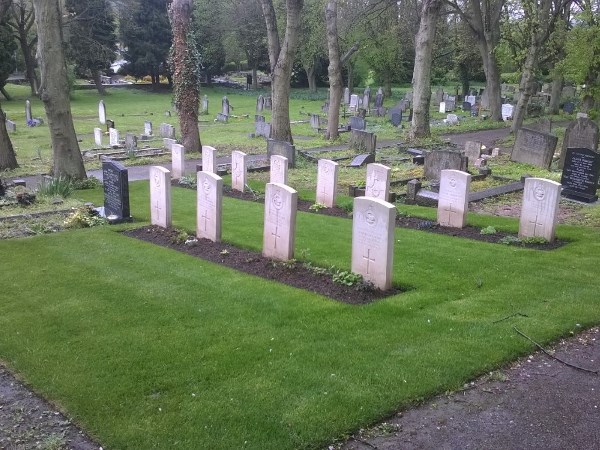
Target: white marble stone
113, 136
148, 128
280, 221
209, 159
279, 169
327, 175
353, 102
373, 226
452, 119
239, 171
160, 196
98, 136
102, 112
378, 181
177, 161
209, 206
442, 107
507, 111
539, 211
168, 143
453, 202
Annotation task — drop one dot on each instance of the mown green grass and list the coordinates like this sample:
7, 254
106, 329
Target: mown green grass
148, 348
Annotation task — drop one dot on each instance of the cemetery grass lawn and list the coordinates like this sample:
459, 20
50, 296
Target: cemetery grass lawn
145, 347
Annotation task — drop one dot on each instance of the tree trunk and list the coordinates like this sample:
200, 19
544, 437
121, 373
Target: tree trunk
387, 85
8, 159
23, 21
98, 82
334, 71
281, 58
422, 70
492, 80
525, 87
5, 93
54, 90
187, 95
311, 75
556, 90
254, 78
350, 77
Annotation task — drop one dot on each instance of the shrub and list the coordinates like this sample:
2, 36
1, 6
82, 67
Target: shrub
84, 217
52, 187
488, 230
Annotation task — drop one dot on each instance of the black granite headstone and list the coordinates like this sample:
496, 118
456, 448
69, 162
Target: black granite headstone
569, 107
466, 106
395, 116
358, 123
361, 160
580, 174
116, 191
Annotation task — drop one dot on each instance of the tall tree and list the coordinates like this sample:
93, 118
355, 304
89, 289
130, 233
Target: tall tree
22, 21
7, 50
281, 58
54, 90
8, 159
311, 49
209, 34
185, 63
91, 37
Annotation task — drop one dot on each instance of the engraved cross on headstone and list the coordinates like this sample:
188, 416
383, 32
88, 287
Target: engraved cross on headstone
375, 178
205, 217
450, 211
157, 208
536, 223
276, 235
368, 258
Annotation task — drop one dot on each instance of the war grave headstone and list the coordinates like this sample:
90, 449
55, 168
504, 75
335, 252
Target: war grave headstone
130, 141
167, 131
98, 136
209, 206
260, 103
569, 107
472, 150
168, 143
373, 227
581, 133
363, 141
160, 196
327, 174
395, 116
115, 181
358, 123
10, 126
204, 106
177, 161
534, 147
239, 170
262, 129
378, 181
438, 160
147, 128
361, 160
507, 111
282, 148
225, 106
279, 169
209, 159
113, 137
580, 174
539, 211
453, 199
353, 102
28, 116
347, 96
102, 112
279, 230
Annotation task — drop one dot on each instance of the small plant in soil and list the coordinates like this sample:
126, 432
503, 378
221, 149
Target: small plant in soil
488, 230
61, 186
346, 277
510, 240
84, 217
188, 181
425, 224
316, 207
534, 240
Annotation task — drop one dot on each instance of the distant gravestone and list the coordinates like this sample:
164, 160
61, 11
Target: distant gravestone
540, 208
450, 105
28, 116
279, 230
98, 136
438, 160
452, 119
581, 133
130, 141
507, 111
569, 107
168, 143
363, 141
347, 96
373, 227
581, 115
204, 109
534, 147
366, 98
113, 137
353, 102
466, 106
102, 112
472, 151
109, 124
327, 174
268, 103
408, 96
167, 130
439, 95
580, 174
357, 123
568, 92
11, 126
315, 122
471, 99
116, 191
225, 106
222, 117
279, 169
262, 129
177, 161
209, 206
260, 103
378, 181
361, 160
209, 159
239, 170
442, 109
453, 199
282, 148
395, 116
259, 118
485, 100
160, 196
379, 100
148, 128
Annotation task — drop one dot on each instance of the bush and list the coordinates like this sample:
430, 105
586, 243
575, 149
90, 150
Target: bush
84, 217
52, 187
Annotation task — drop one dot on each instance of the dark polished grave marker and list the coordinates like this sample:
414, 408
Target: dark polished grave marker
116, 191
580, 174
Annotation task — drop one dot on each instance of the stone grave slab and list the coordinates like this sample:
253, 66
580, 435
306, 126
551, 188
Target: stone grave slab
472, 151
327, 174
160, 196
113, 137
453, 199
279, 232
452, 119
102, 112
580, 174
279, 169
98, 136
373, 226
115, 181
361, 160
378, 181
581, 133
540, 208
239, 170
438, 160
209, 159
209, 206
534, 147
363, 141
177, 161
282, 148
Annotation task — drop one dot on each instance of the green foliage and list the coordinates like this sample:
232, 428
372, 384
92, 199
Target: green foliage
534, 240
488, 230
61, 186
510, 240
86, 183
84, 217
7, 50
346, 277
189, 181
316, 207
209, 32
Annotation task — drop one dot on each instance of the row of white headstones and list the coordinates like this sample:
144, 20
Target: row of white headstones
373, 217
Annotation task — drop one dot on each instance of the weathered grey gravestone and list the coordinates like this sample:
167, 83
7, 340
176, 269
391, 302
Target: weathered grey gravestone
148, 128
353, 102
204, 109
282, 148
11, 126
259, 118
209, 206
102, 112
396, 116
225, 107
534, 147
439, 95
581, 133
160, 196
379, 100
239, 170
113, 137
580, 174
466, 106
168, 143
366, 98
540, 208
268, 103
453, 200
378, 181
315, 122
167, 131
346, 96
27, 111
358, 123
130, 141
98, 136
361, 160
363, 141
222, 117
438, 160
115, 181
472, 151
279, 230
260, 103
327, 174
262, 129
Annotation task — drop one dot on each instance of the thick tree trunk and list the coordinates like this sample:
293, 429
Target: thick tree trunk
525, 87
492, 80
8, 159
387, 84
311, 75
187, 95
422, 70
54, 90
98, 82
556, 90
334, 70
254, 78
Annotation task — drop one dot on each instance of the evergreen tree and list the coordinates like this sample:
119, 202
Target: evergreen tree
7, 51
209, 34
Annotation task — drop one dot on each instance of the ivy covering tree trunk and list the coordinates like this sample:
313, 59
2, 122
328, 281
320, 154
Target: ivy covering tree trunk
54, 90
185, 67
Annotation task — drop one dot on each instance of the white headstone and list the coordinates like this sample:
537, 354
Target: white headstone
178, 161
327, 174
378, 181
148, 128
280, 221
353, 102
279, 169
581, 115
113, 136
27, 110
239, 170
346, 96
209, 159
471, 99
98, 136
160, 196
507, 111
373, 226
443, 107
540, 208
452, 119
453, 202
209, 208
102, 112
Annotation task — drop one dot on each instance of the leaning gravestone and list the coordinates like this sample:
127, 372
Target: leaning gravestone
373, 227
279, 169
472, 151
452, 119
279, 230
209, 206
581, 133
116, 191
363, 141
113, 137
160, 196
98, 136
209, 159
102, 112
378, 181
580, 174
361, 160
358, 123
239, 170
540, 208
534, 147
11, 126
327, 174
453, 199
282, 148
28, 116
177, 161
438, 160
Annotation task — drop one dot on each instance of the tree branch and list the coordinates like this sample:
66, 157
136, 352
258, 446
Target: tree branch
349, 53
